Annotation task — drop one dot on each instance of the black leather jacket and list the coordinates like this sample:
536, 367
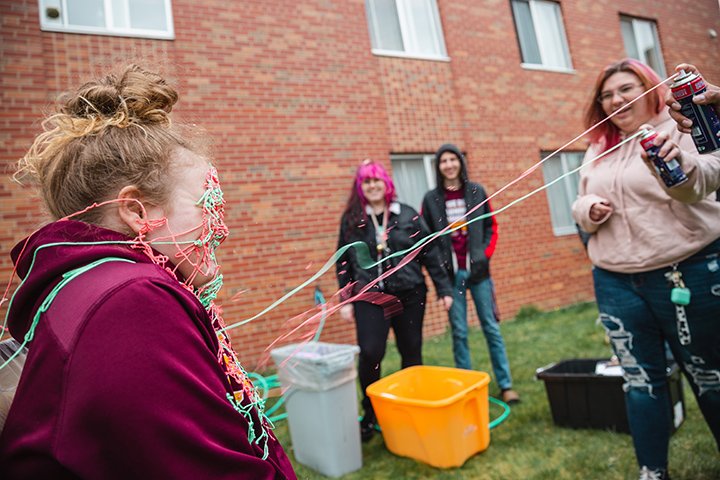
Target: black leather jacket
405, 228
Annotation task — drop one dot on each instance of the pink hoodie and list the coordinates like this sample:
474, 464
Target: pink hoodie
651, 226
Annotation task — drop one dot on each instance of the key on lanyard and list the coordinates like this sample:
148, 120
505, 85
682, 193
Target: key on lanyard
680, 294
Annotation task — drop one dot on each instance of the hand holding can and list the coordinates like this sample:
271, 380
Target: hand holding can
663, 158
693, 105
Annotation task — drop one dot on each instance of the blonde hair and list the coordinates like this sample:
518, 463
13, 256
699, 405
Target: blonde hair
109, 133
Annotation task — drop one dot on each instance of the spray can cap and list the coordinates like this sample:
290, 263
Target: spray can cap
644, 132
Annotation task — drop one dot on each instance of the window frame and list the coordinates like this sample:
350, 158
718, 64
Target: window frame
656, 38
408, 32
542, 47
570, 192
108, 30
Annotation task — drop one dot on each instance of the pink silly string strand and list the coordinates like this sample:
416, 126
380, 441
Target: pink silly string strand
13, 272
535, 166
332, 309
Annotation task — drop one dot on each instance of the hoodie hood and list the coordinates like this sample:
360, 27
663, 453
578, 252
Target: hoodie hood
55, 249
449, 147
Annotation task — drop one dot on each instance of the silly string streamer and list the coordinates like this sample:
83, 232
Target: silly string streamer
213, 233
366, 261
201, 254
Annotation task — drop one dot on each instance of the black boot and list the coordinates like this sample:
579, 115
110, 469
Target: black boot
367, 427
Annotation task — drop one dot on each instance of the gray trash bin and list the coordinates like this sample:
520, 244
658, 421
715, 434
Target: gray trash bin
321, 403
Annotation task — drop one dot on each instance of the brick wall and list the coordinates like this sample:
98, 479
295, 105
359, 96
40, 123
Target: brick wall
293, 98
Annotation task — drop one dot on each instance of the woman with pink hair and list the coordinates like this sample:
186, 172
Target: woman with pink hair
374, 217
655, 255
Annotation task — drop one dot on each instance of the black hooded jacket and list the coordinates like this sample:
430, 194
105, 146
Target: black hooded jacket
482, 234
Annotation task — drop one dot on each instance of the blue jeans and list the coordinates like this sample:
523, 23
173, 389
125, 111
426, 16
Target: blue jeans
639, 318
482, 294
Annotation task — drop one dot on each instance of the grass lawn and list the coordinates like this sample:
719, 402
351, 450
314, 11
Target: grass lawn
528, 445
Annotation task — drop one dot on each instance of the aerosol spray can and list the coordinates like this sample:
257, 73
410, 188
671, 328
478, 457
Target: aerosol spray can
670, 172
706, 124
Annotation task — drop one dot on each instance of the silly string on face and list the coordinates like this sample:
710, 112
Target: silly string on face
201, 254
213, 233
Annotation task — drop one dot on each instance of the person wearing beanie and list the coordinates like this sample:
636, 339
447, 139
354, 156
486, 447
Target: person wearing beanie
466, 254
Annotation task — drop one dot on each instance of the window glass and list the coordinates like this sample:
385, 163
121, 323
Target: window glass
134, 18
551, 34
121, 15
413, 176
424, 36
384, 25
147, 14
526, 33
629, 38
562, 194
642, 42
89, 13
541, 34
405, 28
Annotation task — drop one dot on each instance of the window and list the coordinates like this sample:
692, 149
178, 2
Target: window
131, 18
642, 43
562, 194
413, 176
406, 28
541, 35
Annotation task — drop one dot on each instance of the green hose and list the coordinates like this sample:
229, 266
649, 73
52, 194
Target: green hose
268, 383
504, 415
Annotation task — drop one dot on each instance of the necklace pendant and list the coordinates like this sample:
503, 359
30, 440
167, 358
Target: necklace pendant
380, 247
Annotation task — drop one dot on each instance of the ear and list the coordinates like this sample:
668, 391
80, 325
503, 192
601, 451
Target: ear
131, 209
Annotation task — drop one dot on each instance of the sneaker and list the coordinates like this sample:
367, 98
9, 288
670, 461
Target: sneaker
367, 429
510, 396
649, 474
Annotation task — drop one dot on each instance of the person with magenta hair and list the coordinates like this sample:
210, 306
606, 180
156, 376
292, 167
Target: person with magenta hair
656, 256
374, 217
129, 373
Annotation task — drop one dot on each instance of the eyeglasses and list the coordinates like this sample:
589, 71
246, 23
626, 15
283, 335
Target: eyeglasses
626, 92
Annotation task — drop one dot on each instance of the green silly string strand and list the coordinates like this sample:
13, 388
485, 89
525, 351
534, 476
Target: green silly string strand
366, 261
214, 232
45, 305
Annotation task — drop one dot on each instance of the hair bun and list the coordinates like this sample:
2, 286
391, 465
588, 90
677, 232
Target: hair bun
135, 96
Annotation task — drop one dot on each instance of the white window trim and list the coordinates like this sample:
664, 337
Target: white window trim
396, 53
108, 31
409, 35
535, 66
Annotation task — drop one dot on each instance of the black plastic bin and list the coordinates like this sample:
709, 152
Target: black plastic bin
580, 398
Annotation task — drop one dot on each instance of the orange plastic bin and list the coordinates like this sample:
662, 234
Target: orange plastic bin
437, 415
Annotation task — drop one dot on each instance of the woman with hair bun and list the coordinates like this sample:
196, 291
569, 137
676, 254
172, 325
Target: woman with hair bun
655, 253
374, 217
129, 374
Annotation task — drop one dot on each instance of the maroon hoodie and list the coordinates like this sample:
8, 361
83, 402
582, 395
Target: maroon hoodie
122, 378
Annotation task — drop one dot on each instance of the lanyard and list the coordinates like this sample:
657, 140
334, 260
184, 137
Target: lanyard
381, 235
